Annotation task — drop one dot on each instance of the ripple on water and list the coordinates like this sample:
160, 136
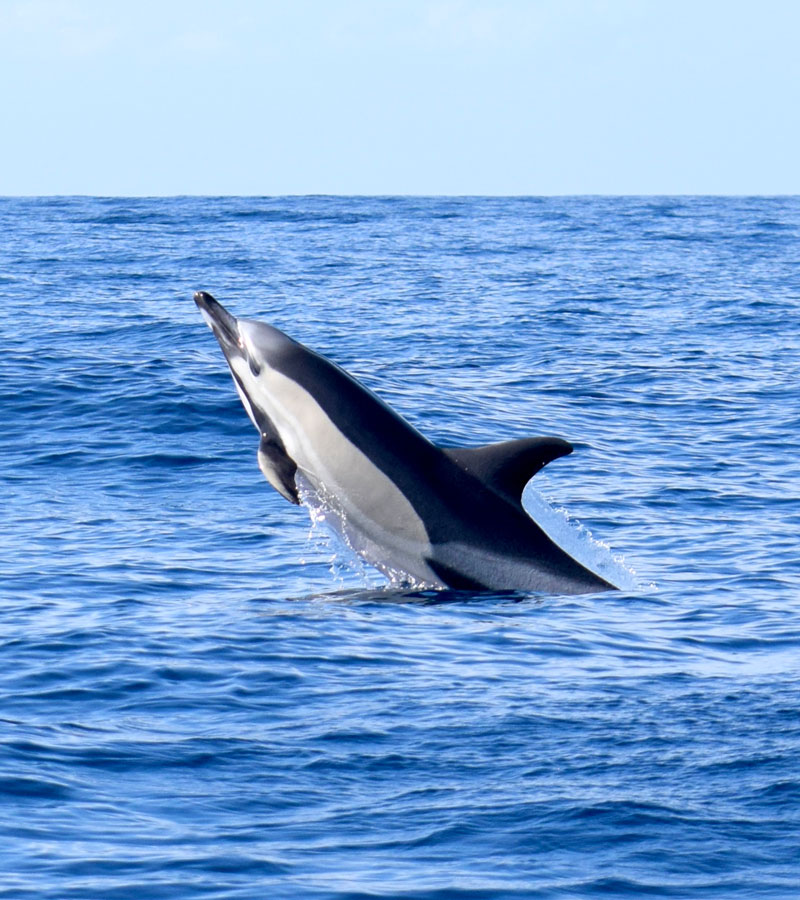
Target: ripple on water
200, 701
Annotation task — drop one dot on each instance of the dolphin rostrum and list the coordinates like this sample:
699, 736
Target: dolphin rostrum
418, 513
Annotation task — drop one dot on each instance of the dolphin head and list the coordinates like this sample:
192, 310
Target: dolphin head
256, 353
253, 350
256, 342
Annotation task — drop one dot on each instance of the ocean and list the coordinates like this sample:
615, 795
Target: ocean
202, 696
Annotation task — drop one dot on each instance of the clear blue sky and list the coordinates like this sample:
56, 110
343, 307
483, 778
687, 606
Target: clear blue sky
400, 96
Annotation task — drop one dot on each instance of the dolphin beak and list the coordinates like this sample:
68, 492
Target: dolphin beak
220, 321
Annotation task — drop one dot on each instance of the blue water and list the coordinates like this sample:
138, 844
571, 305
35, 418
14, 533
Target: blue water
199, 698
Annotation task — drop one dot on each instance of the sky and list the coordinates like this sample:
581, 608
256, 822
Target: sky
519, 97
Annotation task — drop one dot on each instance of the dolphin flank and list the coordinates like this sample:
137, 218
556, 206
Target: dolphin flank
432, 516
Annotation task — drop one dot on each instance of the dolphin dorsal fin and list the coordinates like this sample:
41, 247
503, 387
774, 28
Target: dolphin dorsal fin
508, 466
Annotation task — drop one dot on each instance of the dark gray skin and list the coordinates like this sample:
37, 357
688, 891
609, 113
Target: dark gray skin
477, 536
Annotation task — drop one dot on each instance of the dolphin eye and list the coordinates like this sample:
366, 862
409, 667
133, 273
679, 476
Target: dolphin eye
255, 368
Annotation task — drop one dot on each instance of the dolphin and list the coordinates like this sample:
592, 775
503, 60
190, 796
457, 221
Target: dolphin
424, 515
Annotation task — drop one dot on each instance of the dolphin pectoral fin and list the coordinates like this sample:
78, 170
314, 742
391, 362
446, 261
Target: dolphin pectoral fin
278, 468
508, 466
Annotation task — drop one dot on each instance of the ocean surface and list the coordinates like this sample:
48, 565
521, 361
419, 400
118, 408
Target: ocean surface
201, 696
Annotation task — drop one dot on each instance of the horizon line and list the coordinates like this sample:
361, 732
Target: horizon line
380, 196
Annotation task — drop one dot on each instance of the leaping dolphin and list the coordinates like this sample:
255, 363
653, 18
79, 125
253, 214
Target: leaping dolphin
432, 516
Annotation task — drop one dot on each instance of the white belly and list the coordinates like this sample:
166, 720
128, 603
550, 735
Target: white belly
364, 506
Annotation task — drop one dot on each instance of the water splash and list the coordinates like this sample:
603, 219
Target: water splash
326, 535
329, 530
575, 539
